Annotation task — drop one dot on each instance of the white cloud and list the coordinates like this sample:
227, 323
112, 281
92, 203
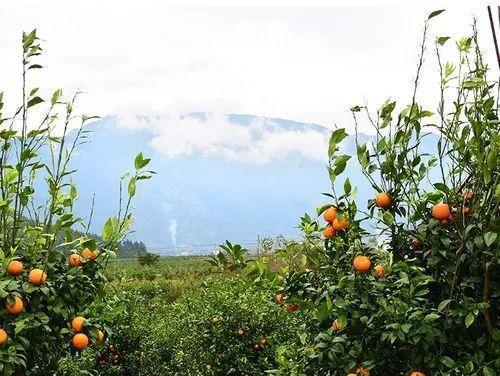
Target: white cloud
261, 141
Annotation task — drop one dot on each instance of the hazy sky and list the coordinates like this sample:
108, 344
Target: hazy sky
305, 64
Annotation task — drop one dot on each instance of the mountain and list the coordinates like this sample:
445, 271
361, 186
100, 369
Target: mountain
197, 200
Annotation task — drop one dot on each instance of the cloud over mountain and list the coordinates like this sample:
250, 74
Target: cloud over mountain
232, 137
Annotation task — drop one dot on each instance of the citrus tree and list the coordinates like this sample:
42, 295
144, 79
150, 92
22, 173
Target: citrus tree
410, 285
50, 274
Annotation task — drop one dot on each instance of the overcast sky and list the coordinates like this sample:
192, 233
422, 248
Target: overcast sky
305, 64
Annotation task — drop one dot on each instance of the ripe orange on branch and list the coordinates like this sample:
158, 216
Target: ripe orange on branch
78, 323
441, 211
417, 373
329, 232
3, 337
89, 255
75, 260
340, 224
382, 200
362, 263
380, 271
15, 268
37, 277
15, 308
330, 214
80, 341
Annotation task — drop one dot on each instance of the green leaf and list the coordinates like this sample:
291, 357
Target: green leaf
140, 161
447, 361
55, 97
34, 101
110, 229
490, 238
442, 40
431, 317
131, 187
469, 319
488, 371
337, 136
347, 186
340, 164
443, 305
435, 13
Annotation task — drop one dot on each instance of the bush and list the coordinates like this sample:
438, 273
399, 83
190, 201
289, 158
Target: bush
199, 333
427, 296
37, 231
147, 258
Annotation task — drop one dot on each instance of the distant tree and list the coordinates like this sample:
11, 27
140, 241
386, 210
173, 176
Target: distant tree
129, 249
147, 258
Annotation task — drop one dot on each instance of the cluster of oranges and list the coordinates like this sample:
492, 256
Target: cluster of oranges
81, 340
363, 263
75, 259
335, 222
38, 277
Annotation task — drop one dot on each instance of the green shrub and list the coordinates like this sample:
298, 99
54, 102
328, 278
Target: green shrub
198, 334
430, 300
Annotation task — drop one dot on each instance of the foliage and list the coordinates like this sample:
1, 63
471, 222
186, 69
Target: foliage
199, 334
147, 258
435, 306
230, 257
38, 229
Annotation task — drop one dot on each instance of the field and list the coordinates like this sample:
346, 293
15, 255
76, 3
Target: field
178, 317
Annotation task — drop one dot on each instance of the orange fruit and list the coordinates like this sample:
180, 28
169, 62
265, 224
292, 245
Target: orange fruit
15, 308
336, 326
3, 337
382, 200
361, 371
292, 307
279, 297
380, 271
339, 224
241, 332
417, 373
78, 323
263, 342
441, 211
75, 260
330, 214
362, 263
415, 243
80, 341
37, 277
100, 336
15, 268
329, 232
88, 254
